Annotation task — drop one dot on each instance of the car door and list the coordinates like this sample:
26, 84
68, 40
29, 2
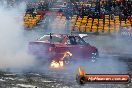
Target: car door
74, 47
82, 46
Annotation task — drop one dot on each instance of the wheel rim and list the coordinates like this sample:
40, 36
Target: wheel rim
94, 57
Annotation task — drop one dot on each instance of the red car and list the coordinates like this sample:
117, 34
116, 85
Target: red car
55, 46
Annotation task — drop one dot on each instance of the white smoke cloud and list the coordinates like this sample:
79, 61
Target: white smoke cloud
13, 46
58, 25
111, 50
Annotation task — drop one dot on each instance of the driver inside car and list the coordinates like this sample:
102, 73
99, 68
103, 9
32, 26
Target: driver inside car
72, 40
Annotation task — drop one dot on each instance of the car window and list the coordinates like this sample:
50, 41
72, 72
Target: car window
75, 40
80, 41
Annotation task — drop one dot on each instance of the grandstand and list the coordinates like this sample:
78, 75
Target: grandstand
105, 25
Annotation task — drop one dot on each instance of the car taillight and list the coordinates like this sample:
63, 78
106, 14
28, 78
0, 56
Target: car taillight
50, 49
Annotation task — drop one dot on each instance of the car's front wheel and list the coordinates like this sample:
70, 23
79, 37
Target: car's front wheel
94, 56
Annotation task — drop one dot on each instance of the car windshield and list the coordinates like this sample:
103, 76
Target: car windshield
51, 38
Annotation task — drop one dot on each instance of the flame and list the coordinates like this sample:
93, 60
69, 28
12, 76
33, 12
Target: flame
66, 54
59, 64
55, 64
81, 71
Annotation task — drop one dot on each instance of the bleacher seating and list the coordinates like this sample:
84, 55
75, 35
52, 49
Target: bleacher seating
105, 25
30, 21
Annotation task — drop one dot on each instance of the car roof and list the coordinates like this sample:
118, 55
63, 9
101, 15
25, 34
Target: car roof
80, 35
58, 34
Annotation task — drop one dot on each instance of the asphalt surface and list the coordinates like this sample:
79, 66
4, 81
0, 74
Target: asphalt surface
49, 78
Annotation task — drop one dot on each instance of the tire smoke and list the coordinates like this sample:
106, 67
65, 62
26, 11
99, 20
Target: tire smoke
13, 49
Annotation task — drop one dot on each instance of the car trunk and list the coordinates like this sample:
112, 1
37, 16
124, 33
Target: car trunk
40, 48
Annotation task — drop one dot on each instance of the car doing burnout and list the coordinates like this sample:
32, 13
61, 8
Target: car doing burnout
54, 46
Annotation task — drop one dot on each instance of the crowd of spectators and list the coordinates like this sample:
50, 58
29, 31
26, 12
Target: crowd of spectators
91, 8
32, 7
98, 8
